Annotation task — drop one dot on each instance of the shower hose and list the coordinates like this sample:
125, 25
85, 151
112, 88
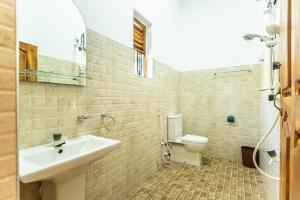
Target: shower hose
165, 142
259, 145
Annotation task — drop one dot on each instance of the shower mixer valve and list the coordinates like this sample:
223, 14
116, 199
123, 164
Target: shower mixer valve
276, 65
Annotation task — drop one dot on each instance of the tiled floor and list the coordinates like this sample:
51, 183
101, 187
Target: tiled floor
216, 179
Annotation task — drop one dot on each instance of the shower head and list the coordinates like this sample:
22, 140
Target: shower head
269, 41
251, 36
248, 37
273, 29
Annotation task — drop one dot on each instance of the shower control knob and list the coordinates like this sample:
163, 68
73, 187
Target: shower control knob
276, 65
271, 97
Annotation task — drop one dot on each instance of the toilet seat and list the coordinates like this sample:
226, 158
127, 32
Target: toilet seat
195, 139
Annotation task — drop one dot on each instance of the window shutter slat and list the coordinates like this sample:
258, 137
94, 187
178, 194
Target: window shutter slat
139, 41
139, 45
139, 48
138, 36
138, 28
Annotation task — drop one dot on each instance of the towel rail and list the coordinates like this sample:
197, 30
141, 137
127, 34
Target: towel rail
234, 71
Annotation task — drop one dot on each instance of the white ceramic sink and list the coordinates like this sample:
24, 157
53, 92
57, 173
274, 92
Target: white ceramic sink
46, 163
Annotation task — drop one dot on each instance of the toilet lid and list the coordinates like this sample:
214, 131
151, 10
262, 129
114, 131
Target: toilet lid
194, 139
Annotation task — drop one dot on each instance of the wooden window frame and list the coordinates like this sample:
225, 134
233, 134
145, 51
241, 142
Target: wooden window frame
140, 47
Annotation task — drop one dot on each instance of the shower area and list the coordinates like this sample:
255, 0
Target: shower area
225, 86
205, 109
249, 93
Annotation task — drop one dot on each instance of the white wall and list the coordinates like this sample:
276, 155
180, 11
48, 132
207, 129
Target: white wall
164, 16
267, 115
212, 30
113, 18
46, 25
187, 34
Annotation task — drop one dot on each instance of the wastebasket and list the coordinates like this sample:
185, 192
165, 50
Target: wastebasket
247, 154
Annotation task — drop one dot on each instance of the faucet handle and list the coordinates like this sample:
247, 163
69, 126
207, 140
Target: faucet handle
57, 136
81, 118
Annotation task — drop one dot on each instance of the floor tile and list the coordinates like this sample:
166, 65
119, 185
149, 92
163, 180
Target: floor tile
216, 179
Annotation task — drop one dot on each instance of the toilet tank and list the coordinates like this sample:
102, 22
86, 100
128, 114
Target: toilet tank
174, 126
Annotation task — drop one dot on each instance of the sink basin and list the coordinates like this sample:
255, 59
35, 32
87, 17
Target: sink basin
47, 162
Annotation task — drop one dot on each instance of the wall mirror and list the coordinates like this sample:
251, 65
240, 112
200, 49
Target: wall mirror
52, 42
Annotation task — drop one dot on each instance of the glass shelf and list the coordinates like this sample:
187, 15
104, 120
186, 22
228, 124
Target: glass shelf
52, 77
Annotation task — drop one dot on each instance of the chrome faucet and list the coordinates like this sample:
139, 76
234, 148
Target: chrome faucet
57, 140
81, 118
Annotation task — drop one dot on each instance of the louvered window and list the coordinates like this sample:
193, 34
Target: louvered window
139, 44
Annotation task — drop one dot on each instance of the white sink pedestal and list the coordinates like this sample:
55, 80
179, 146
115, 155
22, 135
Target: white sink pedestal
62, 170
72, 188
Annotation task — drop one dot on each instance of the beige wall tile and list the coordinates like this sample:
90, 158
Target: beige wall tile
134, 102
206, 100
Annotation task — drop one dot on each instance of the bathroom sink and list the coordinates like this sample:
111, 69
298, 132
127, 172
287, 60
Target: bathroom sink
47, 162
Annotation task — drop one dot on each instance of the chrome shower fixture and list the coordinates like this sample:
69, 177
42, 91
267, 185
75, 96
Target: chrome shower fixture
270, 6
262, 38
273, 29
270, 1
270, 41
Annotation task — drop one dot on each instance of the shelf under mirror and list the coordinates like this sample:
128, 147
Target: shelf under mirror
53, 77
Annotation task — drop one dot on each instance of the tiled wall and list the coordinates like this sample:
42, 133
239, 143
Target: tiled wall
114, 89
7, 100
54, 70
204, 99
267, 116
207, 99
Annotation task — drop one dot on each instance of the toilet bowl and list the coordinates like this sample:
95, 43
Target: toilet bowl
194, 144
185, 148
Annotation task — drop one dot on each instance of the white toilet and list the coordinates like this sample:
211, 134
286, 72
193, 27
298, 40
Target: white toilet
185, 148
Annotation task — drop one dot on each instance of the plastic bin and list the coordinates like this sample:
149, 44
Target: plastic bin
247, 154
